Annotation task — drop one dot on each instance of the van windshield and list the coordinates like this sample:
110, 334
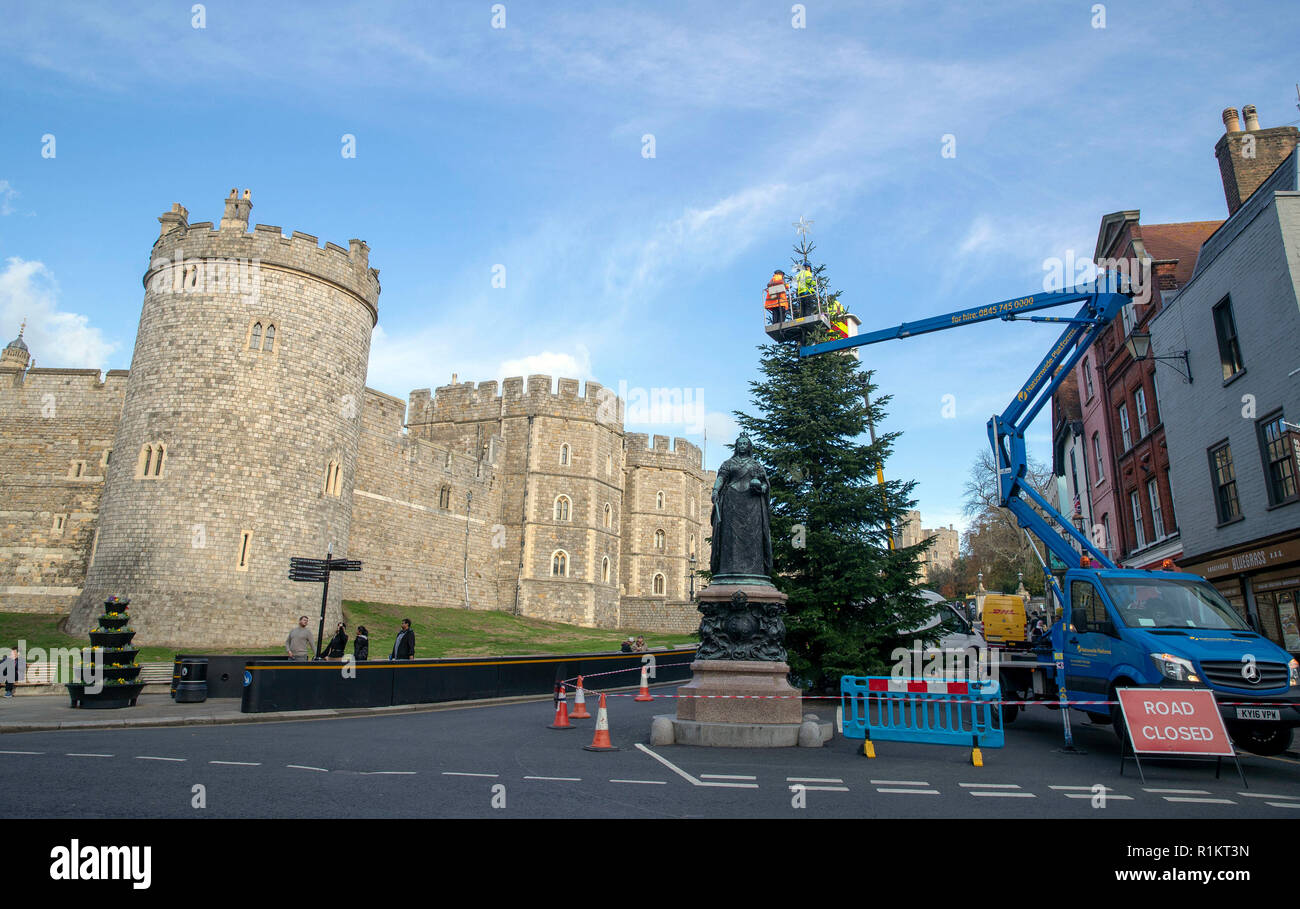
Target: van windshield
1166, 603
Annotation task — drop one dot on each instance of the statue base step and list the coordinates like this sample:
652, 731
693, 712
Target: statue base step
740, 691
810, 733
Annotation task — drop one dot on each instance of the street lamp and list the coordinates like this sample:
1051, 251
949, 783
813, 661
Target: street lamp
1138, 345
692, 577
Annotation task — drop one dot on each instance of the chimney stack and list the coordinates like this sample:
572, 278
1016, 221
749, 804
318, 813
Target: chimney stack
235, 217
1248, 158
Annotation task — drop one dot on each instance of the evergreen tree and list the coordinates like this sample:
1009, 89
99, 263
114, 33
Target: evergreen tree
851, 598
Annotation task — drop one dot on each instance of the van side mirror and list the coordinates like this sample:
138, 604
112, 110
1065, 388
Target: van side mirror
1107, 628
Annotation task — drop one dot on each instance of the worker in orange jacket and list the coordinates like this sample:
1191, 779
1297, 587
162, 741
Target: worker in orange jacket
775, 299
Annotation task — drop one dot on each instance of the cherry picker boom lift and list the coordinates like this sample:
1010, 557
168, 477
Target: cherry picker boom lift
1119, 627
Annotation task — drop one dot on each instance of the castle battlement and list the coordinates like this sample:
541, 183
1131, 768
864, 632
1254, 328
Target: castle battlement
44, 379
181, 242
467, 402
644, 450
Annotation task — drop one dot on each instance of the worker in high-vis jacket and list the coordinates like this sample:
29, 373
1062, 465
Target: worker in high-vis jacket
775, 299
838, 315
805, 291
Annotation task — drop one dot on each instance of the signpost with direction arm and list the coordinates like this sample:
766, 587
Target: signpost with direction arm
317, 571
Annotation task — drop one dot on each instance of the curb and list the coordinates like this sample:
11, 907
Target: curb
283, 716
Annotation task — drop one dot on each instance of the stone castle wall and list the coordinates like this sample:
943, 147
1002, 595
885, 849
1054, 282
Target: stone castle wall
410, 515
250, 426
56, 439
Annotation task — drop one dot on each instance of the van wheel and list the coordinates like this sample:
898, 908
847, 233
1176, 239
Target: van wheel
1262, 740
1117, 718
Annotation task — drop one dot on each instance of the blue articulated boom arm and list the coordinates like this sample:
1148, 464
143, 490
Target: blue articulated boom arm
1007, 430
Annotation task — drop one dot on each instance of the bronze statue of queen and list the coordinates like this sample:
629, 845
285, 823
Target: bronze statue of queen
742, 527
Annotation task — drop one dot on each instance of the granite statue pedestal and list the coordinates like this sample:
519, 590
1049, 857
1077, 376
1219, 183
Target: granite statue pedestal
739, 696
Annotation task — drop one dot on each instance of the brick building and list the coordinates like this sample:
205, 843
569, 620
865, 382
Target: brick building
1234, 442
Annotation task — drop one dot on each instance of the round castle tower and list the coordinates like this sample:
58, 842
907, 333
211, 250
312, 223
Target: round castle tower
238, 440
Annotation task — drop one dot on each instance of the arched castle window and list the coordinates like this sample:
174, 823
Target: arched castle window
692, 507
150, 463
661, 539
609, 515
692, 545
255, 337
564, 455
559, 564
659, 500
269, 343
609, 465
659, 585
444, 497
563, 508
333, 473
604, 570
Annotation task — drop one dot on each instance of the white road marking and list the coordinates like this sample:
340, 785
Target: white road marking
811, 779
899, 783
989, 785
726, 776
460, 773
150, 757
238, 763
1180, 791
643, 782
1177, 798
304, 767
388, 773
1266, 795
91, 754
911, 791
557, 779
1088, 788
690, 779
22, 752
1284, 804
1108, 796
1003, 794
794, 787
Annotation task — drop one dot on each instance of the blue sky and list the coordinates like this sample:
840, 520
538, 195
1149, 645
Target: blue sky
522, 146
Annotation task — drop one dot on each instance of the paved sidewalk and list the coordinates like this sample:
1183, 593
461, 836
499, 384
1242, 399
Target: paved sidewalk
43, 713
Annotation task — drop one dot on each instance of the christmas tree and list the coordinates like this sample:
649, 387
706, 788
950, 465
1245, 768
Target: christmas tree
852, 598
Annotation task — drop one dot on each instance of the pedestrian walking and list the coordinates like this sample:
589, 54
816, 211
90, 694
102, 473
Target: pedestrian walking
299, 643
404, 646
361, 644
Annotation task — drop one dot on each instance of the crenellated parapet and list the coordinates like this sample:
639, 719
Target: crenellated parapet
538, 395
198, 257
659, 451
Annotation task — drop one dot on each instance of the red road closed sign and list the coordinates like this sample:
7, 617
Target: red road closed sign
1170, 721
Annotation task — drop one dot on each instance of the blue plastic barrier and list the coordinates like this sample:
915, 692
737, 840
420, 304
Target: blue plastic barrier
922, 710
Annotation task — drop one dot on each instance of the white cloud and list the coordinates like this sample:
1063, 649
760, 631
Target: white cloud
556, 364
7, 196
56, 338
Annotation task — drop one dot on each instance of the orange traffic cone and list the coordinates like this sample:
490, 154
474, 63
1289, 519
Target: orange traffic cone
600, 741
579, 704
644, 693
561, 710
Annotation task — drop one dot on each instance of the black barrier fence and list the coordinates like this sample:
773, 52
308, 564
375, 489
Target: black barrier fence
278, 684
225, 671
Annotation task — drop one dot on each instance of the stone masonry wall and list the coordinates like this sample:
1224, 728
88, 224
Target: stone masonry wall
249, 433
413, 548
56, 438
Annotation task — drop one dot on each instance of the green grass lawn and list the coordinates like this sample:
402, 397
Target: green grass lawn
438, 633
461, 632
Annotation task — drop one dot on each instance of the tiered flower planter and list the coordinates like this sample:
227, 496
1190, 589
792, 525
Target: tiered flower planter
120, 685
